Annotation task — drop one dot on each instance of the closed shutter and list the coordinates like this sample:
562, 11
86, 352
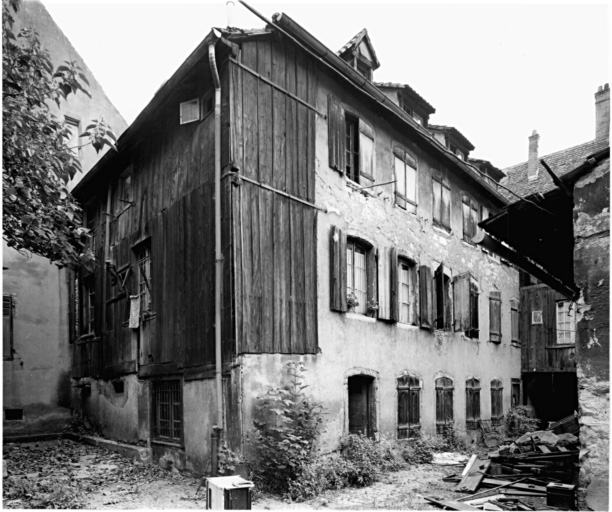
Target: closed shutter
444, 403
337, 284
335, 130
426, 297
403, 397
461, 302
495, 334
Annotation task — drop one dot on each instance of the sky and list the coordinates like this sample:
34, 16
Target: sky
495, 71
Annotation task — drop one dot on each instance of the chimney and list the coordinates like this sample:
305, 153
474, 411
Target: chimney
602, 112
533, 163
229, 9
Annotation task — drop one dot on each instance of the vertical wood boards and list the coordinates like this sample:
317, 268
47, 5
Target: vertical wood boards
384, 284
337, 270
535, 337
426, 297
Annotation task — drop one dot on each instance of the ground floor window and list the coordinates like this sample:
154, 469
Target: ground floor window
408, 406
167, 411
472, 404
444, 403
497, 403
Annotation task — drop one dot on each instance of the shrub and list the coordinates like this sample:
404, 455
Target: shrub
228, 460
520, 420
366, 457
285, 433
419, 451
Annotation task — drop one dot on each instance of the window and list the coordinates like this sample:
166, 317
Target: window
444, 403
143, 263
363, 69
407, 291
443, 302
74, 141
408, 406
495, 334
470, 218
514, 322
497, 403
356, 276
189, 111
516, 392
441, 202
426, 297
7, 327
167, 411
352, 147
472, 403
566, 322
406, 180
417, 118
465, 302
13, 414
88, 305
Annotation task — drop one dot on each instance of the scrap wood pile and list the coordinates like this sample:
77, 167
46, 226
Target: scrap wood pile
537, 471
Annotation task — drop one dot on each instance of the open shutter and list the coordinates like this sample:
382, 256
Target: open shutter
446, 201
335, 130
384, 285
461, 302
426, 297
394, 284
337, 284
366, 150
372, 275
495, 316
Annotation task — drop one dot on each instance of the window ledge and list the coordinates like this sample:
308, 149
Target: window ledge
408, 327
443, 231
360, 317
168, 443
468, 244
516, 344
561, 346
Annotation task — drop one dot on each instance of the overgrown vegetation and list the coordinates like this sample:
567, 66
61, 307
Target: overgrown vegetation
520, 420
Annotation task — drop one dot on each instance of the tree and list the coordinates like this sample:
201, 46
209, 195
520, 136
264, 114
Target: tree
39, 213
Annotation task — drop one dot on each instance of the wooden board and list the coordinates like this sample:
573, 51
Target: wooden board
450, 504
471, 481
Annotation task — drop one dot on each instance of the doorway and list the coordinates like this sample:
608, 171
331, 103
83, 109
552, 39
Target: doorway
362, 405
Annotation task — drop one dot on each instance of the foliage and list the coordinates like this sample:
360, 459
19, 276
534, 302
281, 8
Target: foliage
228, 460
450, 439
40, 215
288, 426
520, 420
366, 457
419, 451
351, 301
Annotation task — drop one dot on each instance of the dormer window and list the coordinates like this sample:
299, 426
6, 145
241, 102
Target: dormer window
360, 55
363, 68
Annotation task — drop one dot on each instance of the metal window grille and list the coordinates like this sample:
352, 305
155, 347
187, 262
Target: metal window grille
168, 410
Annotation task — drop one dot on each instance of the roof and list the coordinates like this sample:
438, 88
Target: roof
560, 162
393, 85
454, 133
492, 171
354, 42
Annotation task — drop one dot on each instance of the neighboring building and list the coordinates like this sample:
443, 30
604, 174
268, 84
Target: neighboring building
563, 227
347, 244
36, 352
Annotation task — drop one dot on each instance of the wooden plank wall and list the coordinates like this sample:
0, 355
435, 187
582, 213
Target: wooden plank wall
536, 337
275, 236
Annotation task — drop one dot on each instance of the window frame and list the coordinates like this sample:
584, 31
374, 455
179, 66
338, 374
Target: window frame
495, 310
408, 424
351, 147
514, 322
441, 218
466, 305
472, 403
412, 291
87, 306
568, 309
470, 218
352, 246
442, 299
408, 161
155, 427
75, 124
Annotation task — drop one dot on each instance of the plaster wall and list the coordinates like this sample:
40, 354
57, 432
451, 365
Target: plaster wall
353, 344
592, 276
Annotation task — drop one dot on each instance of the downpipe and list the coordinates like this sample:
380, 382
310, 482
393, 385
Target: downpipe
218, 429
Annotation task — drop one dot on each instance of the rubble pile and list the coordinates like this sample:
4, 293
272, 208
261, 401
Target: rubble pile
537, 471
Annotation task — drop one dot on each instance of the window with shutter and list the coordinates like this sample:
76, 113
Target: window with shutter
406, 179
143, 265
444, 403
472, 403
338, 270
461, 302
88, 305
470, 218
443, 303
566, 322
441, 202
366, 150
497, 407
7, 327
407, 299
495, 334
356, 277
473, 331
336, 133
425, 297
514, 321
351, 147
409, 405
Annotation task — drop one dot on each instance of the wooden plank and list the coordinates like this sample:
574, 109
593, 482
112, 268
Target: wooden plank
250, 85
291, 123
279, 107
236, 115
264, 112
281, 343
228, 332
302, 126
287, 276
471, 481
310, 267
298, 279
495, 482
311, 135
449, 504
543, 449
267, 272
247, 265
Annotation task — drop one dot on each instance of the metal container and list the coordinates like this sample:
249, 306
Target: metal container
561, 496
228, 493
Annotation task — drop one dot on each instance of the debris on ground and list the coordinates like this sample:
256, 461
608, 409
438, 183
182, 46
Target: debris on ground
537, 471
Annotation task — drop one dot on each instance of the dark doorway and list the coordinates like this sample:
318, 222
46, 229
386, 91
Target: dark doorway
552, 395
362, 409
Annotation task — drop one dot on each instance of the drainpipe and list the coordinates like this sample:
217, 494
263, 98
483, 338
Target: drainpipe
219, 428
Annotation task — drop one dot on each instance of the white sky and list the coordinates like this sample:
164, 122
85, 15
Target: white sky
494, 71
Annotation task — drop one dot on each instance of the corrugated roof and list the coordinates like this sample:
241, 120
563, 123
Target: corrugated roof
560, 162
395, 85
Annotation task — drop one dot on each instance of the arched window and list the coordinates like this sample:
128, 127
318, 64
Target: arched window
497, 404
472, 403
408, 406
444, 403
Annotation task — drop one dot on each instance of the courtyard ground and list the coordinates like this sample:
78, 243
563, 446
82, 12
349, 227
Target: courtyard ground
68, 474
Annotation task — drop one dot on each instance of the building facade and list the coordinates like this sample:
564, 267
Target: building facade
36, 352
346, 234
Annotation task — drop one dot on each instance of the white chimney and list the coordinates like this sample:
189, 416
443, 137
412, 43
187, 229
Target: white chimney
602, 112
532, 163
229, 8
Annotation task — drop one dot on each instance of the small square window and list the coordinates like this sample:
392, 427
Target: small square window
190, 111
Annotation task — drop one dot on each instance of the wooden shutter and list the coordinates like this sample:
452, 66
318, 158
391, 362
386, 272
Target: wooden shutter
7, 327
514, 321
335, 131
372, 274
366, 150
446, 200
495, 316
394, 284
461, 302
437, 199
426, 297
337, 272
403, 407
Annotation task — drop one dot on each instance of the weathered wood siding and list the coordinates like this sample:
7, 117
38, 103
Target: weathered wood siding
272, 144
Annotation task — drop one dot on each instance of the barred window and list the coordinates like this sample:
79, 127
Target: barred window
167, 411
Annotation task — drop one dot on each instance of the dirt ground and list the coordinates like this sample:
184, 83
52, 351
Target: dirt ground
67, 474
